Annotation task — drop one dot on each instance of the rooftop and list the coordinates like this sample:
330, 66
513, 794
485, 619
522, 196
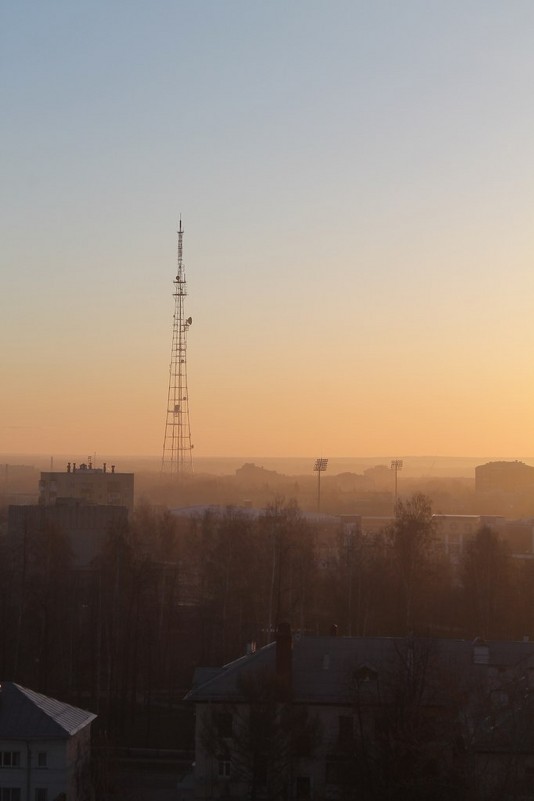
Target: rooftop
25, 714
325, 669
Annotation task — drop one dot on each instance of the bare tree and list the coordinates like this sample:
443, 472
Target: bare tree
487, 590
411, 544
262, 738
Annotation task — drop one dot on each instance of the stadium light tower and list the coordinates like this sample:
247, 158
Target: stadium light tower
396, 465
319, 467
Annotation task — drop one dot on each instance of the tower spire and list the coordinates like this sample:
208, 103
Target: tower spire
177, 457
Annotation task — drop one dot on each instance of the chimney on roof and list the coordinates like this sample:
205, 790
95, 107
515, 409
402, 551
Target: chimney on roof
284, 660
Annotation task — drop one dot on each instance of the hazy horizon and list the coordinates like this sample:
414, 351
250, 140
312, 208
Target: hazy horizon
356, 187
414, 466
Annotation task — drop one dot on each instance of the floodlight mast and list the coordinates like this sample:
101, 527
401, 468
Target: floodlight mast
319, 467
177, 456
396, 465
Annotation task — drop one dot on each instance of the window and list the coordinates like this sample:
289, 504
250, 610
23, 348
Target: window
10, 759
345, 729
224, 767
42, 761
10, 794
41, 794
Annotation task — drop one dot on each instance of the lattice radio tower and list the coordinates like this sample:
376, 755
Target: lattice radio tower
177, 456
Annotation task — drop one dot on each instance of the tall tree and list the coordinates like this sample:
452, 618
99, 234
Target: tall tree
412, 546
487, 588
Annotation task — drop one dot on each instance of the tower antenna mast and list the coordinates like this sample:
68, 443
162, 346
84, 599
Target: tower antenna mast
177, 456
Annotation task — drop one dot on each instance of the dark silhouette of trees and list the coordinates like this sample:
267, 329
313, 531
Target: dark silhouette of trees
412, 549
37, 583
290, 542
353, 583
249, 572
167, 594
487, 589
404, 745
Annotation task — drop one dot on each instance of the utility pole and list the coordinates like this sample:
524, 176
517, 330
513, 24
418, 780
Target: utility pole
177, 457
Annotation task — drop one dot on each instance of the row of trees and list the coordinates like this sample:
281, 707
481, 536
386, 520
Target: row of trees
167, 594
401, 581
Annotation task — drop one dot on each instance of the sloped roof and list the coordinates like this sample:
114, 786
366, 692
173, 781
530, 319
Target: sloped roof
25, 714
325, 669
221, 684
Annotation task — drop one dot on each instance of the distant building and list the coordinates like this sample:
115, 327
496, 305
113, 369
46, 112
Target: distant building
504, 477
252, 476
454, 531
45, 747
518, 535
86, 526
88, 484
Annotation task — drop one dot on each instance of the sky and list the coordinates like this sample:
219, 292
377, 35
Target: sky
356, 184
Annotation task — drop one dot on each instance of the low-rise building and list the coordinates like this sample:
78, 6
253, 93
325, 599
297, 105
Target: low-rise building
45, 747
313, 717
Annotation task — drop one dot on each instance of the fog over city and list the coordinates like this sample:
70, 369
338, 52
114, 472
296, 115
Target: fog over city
266, 498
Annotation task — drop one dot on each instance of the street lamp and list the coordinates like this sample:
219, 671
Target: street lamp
396, 465
319, 467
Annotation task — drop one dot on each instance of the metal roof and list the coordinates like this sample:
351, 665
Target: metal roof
27, 715
324, 669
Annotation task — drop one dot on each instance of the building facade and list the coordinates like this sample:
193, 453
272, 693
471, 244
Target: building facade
45, 747
88, 484
86, 526
313, 718
510, 477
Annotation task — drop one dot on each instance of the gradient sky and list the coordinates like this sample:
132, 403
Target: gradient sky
356, 182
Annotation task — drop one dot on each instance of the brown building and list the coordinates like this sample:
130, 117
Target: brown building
85, 525
504, 477
88, 484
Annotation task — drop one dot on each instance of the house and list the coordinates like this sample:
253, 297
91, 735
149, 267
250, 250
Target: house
315, 717
44, 747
